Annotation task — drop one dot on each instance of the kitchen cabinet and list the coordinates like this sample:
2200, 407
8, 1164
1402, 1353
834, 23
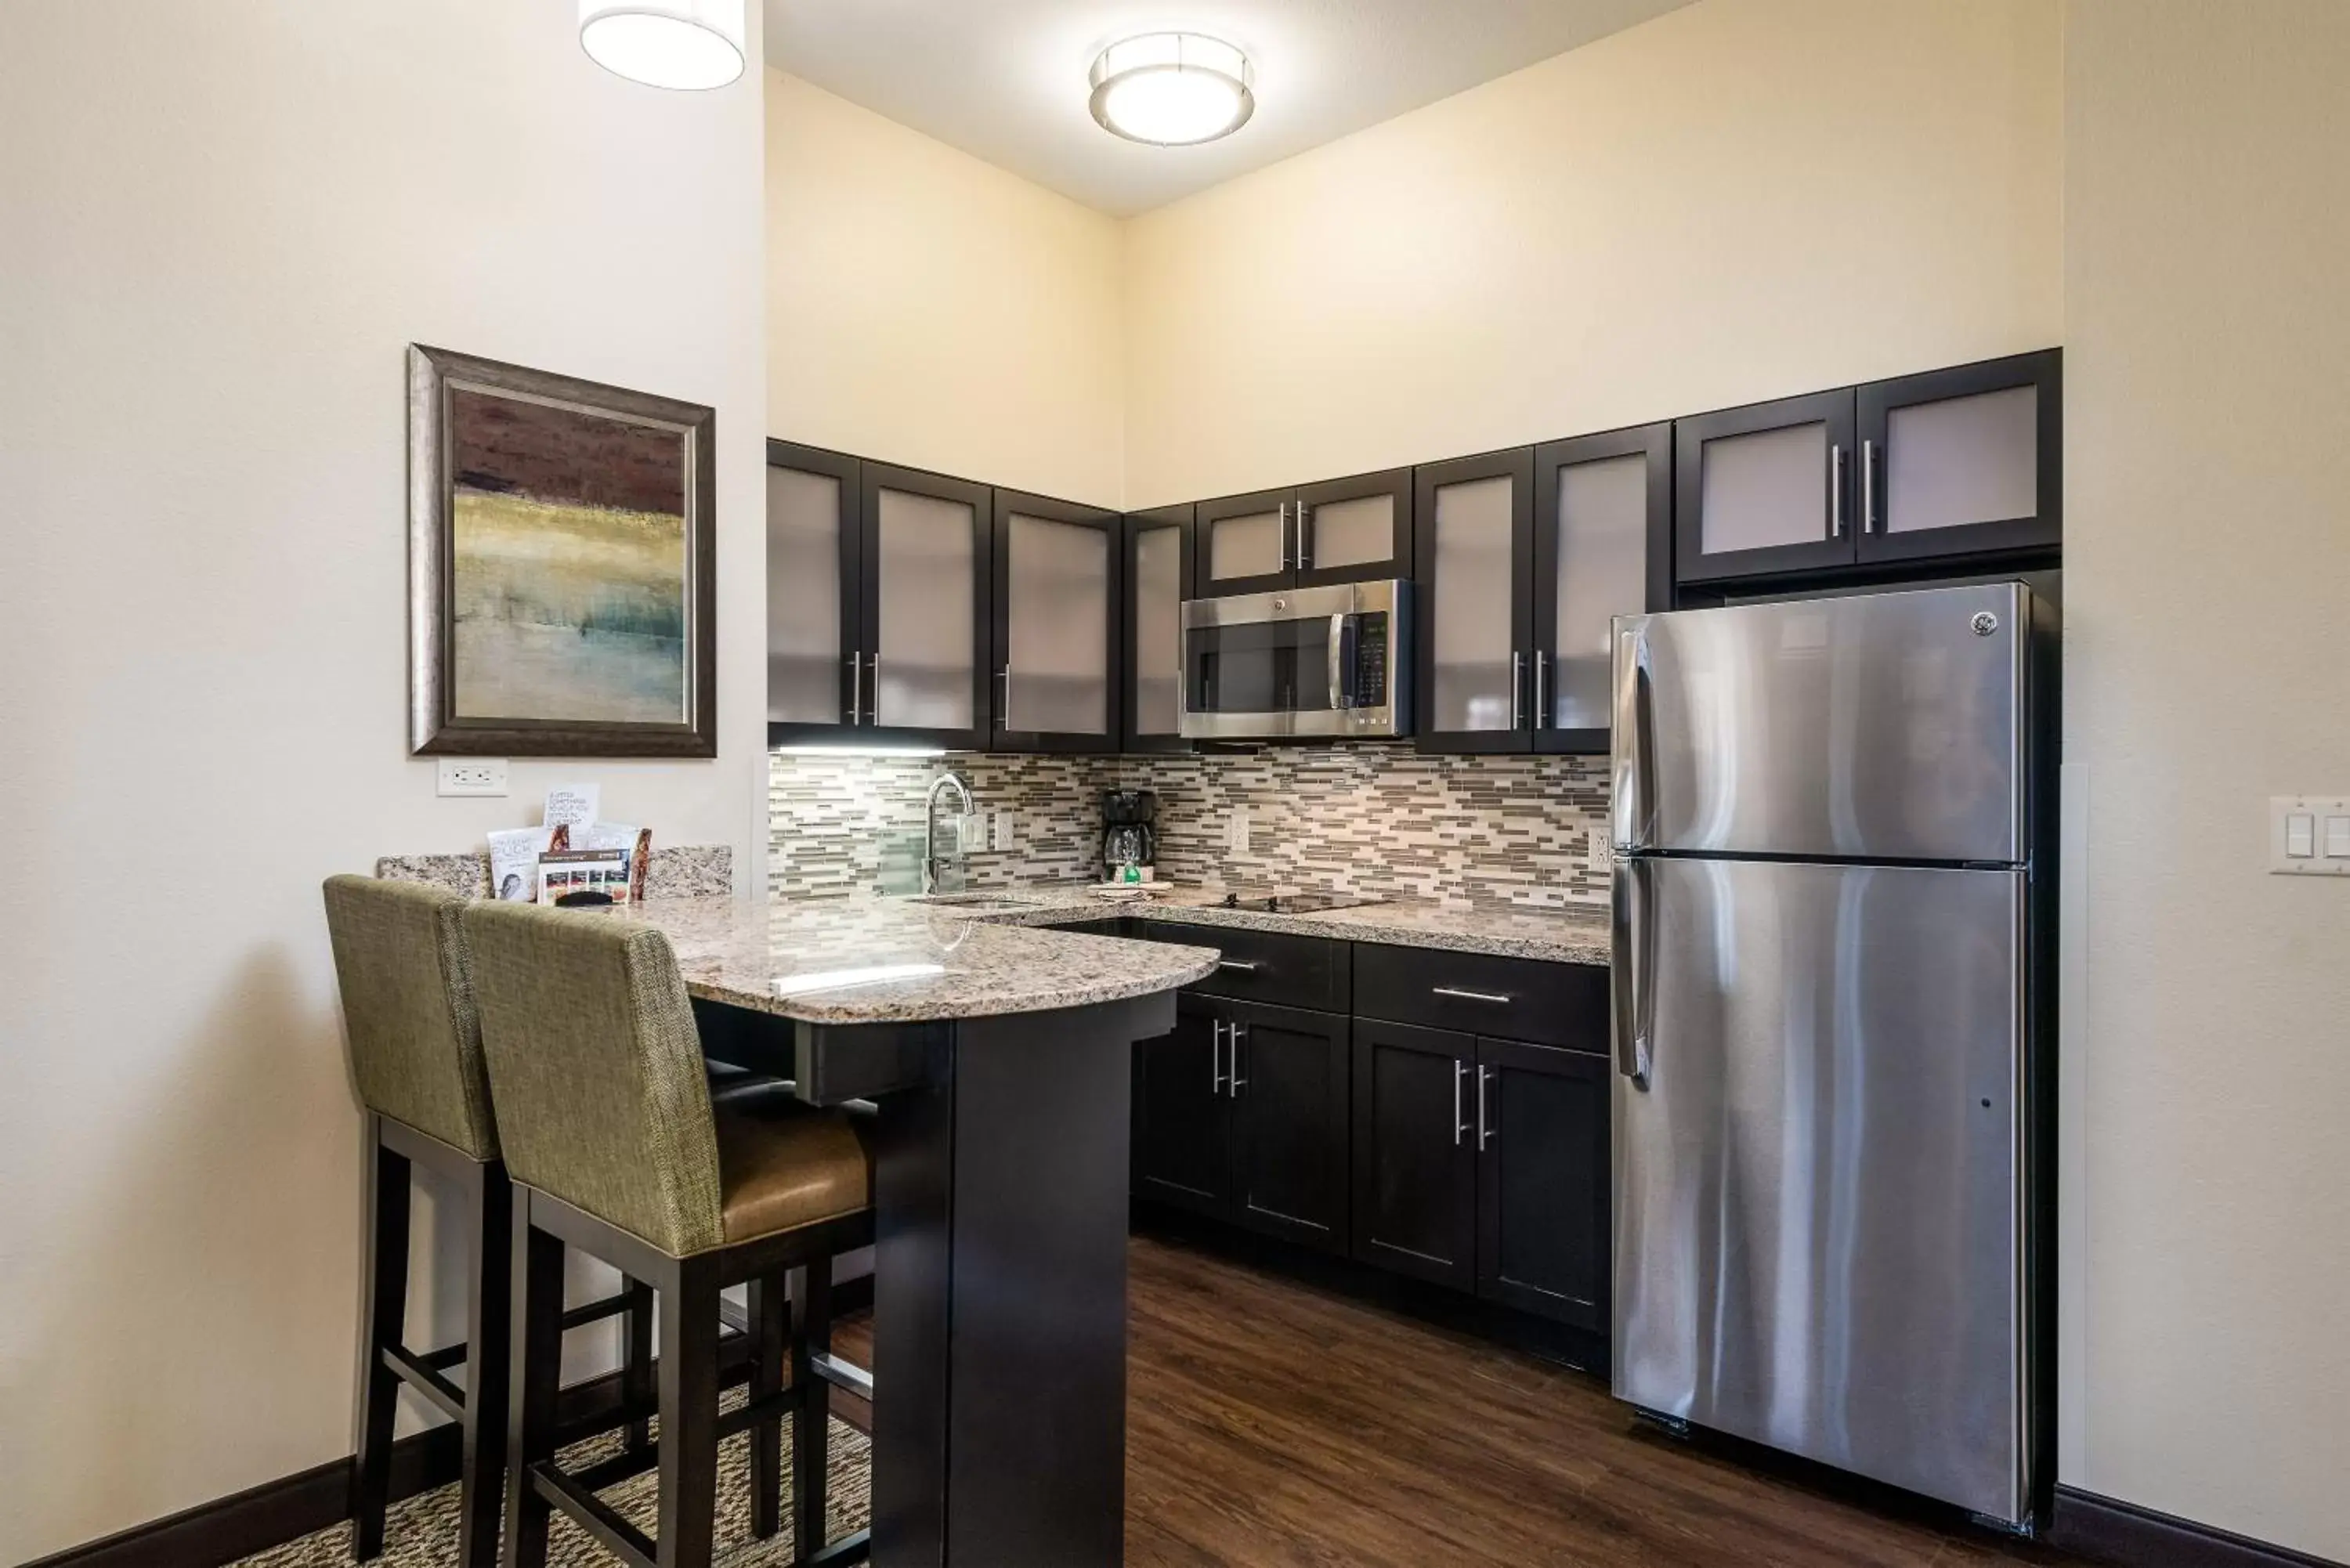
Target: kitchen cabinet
1946, 465
1603, 548
1240, 1113
1964, 462
1338, 530
1059, 572
1474, 573
1414, 1155
1542, 1120
815, 592
1158, 578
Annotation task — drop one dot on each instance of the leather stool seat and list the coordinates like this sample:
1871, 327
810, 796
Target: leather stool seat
782, 1165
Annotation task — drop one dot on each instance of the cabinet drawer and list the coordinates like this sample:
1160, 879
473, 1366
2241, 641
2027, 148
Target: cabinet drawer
1264, 966
1480, 993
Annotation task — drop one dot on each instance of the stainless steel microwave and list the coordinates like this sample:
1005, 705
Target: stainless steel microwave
1330, 661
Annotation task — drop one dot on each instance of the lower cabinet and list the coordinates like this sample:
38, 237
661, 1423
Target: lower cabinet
1240, 1113
1483, 1164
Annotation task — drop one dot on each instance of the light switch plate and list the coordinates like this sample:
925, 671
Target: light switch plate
1236, 833
473, 776
2310, 812
1007, 837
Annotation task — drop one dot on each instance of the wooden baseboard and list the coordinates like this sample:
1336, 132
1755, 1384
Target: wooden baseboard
2121, 1532
221, 1531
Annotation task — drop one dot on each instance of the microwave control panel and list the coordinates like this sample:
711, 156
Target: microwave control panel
1370, 684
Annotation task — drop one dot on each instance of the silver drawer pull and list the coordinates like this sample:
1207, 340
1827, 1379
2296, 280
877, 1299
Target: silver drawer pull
1496, 998
1238, 965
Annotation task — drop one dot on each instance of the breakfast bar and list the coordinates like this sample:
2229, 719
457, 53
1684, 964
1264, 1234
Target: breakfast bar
997, 1059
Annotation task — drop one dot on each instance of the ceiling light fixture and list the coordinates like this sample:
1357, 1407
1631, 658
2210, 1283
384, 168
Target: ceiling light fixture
691, 45
1172, 89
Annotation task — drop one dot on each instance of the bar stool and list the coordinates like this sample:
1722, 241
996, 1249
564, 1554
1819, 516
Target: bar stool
616, 1148
416, 1054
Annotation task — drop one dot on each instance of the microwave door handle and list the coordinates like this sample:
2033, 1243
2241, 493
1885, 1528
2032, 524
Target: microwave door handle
1338, 696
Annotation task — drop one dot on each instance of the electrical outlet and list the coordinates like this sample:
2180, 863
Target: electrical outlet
1236, 831
473, 776
1598, 852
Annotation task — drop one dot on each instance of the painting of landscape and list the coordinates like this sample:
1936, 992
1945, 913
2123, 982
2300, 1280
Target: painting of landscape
568, 563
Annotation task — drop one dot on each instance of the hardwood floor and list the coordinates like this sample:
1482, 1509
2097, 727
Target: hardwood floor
1272, 1423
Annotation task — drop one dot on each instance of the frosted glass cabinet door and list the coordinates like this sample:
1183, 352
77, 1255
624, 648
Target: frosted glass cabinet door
1765, 489
1475, 550
1602, 522
1354, 530
1158, 581
1056, 625
1245, 542
926, 600
811, 590
1963, 460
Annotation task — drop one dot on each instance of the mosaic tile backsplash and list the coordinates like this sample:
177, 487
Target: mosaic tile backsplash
1368, 817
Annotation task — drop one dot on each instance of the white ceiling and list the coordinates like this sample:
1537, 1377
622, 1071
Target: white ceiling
1005, 79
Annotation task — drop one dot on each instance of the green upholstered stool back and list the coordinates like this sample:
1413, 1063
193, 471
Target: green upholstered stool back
408, 1003
598, 1071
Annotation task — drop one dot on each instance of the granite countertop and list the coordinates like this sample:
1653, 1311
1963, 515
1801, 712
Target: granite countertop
1551, 936
891, 961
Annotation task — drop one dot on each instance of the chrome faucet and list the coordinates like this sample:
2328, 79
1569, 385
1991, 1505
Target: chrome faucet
931, 857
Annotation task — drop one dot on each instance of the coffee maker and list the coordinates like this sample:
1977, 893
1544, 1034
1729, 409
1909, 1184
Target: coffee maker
1127, 837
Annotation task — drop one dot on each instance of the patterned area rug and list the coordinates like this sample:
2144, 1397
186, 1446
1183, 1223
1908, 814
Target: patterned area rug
423, 1532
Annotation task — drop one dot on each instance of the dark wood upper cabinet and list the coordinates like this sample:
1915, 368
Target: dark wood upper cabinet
815, 603
1287, 1075
1415, 1156
1603, 548
1967, 461
1765, 489
1244, 542
1543, 1170
1158, 577
1339, 531
1474, 573
928, 574
1353, 530
1059, 571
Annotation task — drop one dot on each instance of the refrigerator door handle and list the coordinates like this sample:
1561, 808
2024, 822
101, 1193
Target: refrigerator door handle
1630, 965
1634, 748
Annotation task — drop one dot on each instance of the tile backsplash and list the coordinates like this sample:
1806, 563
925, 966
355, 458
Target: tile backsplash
1374, 817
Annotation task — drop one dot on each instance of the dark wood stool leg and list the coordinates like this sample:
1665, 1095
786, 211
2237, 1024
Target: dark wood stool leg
770, 1324
536, 1369
489, 1350
689, 1413
812, 1422
636, 1364
387, 1307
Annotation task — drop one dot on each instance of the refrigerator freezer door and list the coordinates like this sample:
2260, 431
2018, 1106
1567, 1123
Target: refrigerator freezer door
1819, 1204
1879, 727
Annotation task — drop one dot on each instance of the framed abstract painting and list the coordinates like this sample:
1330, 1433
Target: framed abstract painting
562, 566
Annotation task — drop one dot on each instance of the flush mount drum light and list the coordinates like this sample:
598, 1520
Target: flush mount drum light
687, 44
1172, 89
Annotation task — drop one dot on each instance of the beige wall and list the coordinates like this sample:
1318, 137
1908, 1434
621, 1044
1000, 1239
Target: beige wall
220, 226
1738, 199
2207, 213
930, 309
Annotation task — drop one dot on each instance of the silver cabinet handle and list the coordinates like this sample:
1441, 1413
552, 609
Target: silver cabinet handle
1517, 683
1498, 999
856, 686
1004, 713
1305, 540
1233, 1081
1238, 966
1215, 1056
1869, 487
873, 680
1460, 1126
1484, 1077
1836, 490
1542, 709
1285, 534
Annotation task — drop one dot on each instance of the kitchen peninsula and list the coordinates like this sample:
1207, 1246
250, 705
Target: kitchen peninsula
997, 1058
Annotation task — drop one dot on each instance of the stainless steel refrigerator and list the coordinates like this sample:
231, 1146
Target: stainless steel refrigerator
1833, 930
